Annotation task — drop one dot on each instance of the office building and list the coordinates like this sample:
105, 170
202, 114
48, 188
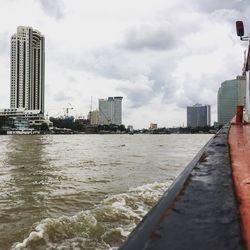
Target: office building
198, 116
27, 69
110, 111
230, 94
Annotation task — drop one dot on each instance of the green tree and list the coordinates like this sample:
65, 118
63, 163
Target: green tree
44, 127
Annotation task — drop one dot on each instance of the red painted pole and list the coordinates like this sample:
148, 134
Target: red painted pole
239, 115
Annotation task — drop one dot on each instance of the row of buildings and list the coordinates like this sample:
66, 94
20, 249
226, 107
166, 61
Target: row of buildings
27, 85
231, 94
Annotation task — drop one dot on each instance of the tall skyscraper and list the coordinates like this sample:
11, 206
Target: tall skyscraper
198, 116
110, 110
230, 94
27, 69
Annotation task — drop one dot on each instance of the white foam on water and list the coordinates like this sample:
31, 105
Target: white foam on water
104, 227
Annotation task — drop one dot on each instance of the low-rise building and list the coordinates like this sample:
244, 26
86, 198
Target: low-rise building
34, 117
153, 126
21, 123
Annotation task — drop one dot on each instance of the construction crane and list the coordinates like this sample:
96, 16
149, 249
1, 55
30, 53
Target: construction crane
67, 109
53, 109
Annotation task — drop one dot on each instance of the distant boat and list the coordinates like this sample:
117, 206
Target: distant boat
27, 131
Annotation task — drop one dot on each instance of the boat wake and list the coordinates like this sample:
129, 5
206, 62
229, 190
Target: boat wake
106, 226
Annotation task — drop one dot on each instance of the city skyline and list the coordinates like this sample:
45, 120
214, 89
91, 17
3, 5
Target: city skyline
161, 57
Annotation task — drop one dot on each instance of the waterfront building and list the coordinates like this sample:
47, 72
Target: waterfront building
35, 118
110, 111
230, 94
20, 123
27, 69
198, 116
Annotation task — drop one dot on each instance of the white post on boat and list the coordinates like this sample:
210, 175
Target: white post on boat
246, 71
247, 112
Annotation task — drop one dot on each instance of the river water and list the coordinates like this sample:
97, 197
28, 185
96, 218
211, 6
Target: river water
84, 191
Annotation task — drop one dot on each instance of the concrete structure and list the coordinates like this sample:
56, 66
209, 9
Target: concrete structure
27, 69
198, 116
110, 111
230, 94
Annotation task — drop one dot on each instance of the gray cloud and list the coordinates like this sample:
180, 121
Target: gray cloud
164, 82
61, 96
137, 98
52, 8
145, 63
112, 63
213, 5
71, 79
140, 78
150, 37
4, 43
193, 91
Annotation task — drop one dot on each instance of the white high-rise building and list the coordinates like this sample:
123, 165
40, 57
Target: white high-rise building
110, 111
27, 69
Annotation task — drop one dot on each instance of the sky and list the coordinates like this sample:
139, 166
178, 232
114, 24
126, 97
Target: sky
160, 55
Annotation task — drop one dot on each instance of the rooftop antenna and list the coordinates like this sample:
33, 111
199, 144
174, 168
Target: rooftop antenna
67, 109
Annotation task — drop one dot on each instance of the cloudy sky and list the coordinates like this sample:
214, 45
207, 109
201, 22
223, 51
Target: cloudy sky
160, 55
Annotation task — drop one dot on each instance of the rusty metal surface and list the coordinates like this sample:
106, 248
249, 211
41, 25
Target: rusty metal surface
239, 141
203, 213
